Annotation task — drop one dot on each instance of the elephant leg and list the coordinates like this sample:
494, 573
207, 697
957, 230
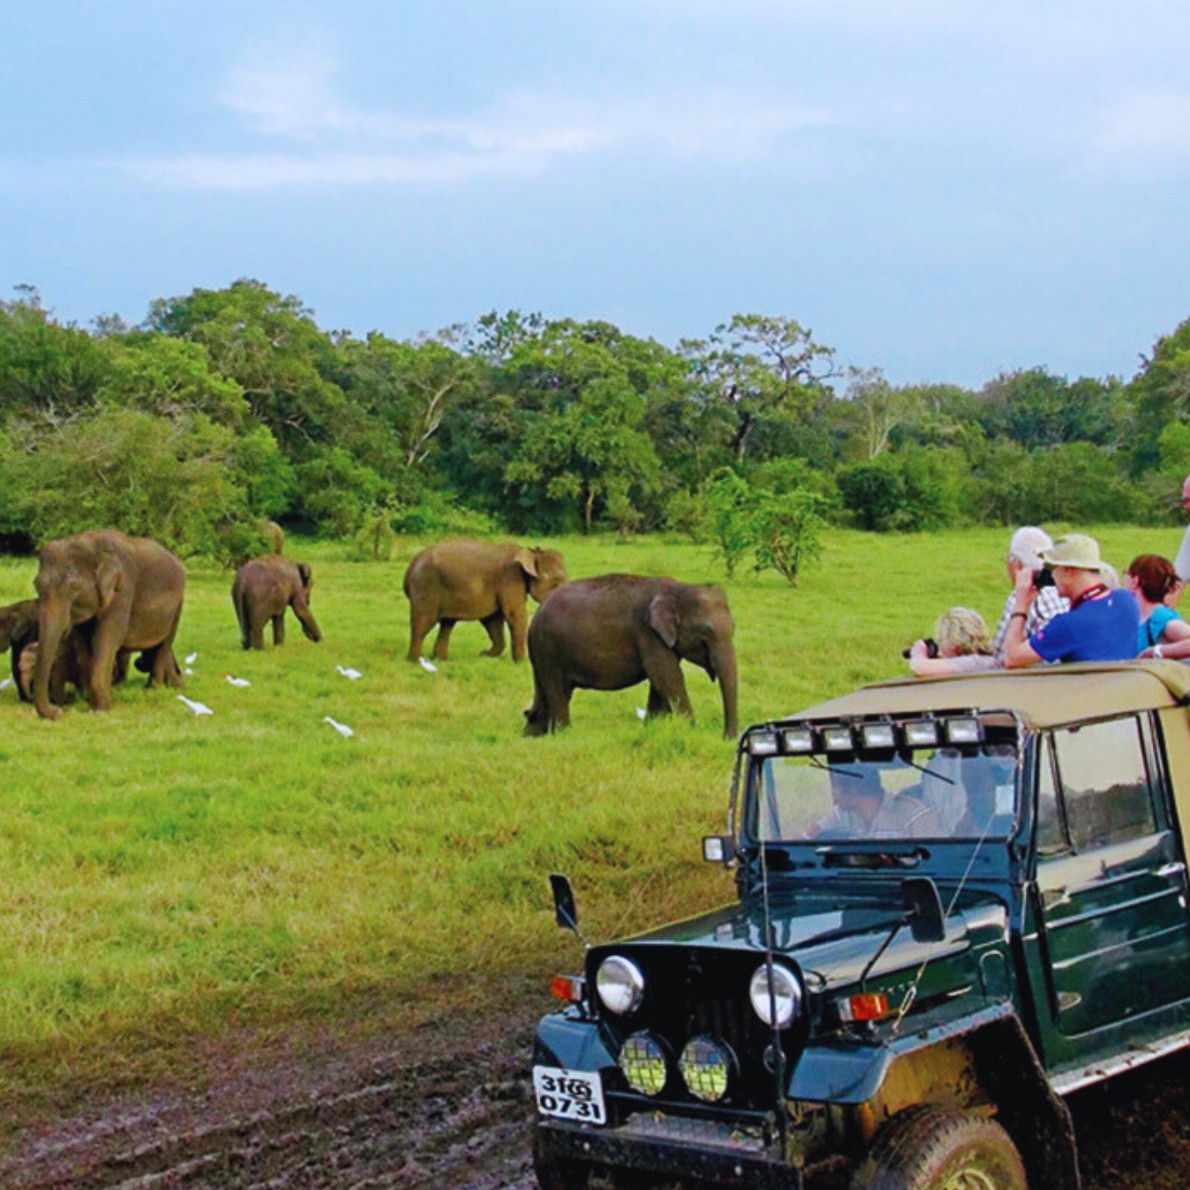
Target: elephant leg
279, 628
666, 684
442, 640
518, 628
658, 703
104, 647
256, 631
165, 664
495, 629
551, 705
420, 623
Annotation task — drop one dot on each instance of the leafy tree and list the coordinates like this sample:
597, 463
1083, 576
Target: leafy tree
271, 346
582, 445
169, 378
874, 492
337, 491
593, 451
879, 408
1161, 394
48, 370
730, 506
788, 531
758, 366
406, 388
146, 475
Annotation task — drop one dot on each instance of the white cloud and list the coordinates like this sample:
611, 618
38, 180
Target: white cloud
295, 102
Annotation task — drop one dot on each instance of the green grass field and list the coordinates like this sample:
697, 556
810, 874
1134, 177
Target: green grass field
168, 878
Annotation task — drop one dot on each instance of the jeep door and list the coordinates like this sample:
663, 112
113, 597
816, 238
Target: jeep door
1112, 934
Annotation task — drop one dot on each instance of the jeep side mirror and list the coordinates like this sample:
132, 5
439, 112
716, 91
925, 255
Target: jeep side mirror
565, 910
718, 849
923, 909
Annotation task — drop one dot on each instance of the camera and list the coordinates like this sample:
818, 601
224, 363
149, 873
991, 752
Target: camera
1043, 578
931, 648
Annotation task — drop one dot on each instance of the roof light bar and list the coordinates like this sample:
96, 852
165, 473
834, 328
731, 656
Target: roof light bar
763, 743
921, 733
965, 730
838, 739
797, 739
878, 736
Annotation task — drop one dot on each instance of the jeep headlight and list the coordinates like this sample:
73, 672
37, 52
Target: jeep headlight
620, 984
642, 1059
706, 1066
776, 1004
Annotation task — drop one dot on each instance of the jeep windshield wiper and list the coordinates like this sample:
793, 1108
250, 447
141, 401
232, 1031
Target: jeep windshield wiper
834, 856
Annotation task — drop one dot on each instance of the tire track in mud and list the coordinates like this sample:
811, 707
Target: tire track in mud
459, 1121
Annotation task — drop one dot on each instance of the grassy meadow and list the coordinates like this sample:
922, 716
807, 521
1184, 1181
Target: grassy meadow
170, 878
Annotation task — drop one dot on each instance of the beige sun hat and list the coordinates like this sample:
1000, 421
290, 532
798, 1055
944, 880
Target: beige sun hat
1076, 550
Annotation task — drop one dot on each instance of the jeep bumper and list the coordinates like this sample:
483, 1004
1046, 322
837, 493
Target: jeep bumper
677, 1149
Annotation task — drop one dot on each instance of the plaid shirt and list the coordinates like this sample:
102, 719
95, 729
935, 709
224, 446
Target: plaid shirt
1044, 608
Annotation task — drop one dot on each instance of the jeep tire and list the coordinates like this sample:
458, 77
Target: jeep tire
929, 1148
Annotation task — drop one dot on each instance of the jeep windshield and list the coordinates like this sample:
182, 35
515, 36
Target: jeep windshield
878, 783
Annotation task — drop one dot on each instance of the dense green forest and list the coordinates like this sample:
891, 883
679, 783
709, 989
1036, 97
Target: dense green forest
228, 408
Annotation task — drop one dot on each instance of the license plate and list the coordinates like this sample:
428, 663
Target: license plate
569, 1094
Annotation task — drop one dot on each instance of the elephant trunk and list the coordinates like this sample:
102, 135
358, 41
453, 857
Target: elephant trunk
305, 616
723, 660
52, 625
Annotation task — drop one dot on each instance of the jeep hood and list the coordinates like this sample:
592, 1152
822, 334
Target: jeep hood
833, 939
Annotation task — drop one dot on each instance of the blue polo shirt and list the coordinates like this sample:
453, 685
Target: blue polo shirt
1101, 629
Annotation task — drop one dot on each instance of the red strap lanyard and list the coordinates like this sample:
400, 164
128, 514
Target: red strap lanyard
1090, 593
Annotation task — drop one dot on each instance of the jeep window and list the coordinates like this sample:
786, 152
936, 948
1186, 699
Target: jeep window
1103, 793
943, 793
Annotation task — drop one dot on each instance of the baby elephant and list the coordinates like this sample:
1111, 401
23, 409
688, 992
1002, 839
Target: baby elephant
263, 589
611, 632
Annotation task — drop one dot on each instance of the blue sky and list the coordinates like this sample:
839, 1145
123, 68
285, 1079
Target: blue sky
941, 189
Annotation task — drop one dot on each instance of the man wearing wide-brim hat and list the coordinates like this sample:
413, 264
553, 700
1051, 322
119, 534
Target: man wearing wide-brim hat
1100, 625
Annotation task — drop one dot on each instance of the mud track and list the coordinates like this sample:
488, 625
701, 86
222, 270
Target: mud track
448, 1107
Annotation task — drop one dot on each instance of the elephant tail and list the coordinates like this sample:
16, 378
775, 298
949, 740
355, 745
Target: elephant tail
241, 606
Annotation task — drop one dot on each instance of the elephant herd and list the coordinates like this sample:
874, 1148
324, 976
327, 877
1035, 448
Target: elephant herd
604, 633
103, 596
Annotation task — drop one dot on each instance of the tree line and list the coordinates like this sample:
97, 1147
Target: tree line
228, 408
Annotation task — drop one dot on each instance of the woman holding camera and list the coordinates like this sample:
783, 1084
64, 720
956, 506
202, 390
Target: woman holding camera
963, 646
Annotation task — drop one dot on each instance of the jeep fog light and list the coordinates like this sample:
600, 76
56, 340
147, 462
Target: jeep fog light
706, 1066
964, 731
620, 984
643, 1062
778, 1007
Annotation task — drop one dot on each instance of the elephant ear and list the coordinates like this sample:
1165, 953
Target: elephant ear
107, 579
663, 618
527, 561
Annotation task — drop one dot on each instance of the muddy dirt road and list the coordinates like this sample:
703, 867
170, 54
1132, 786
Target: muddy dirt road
442, 1109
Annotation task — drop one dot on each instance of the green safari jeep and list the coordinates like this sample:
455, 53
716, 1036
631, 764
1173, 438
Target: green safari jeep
959, 901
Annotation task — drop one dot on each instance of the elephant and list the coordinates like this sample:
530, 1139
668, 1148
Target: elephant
18, 628
263, 589
611, 632
477, 580
18, 631
129, 588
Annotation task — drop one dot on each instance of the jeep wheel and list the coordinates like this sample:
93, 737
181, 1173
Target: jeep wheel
927, 1148
557, 1173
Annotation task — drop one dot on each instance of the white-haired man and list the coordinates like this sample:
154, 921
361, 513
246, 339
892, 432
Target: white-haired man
1024, 553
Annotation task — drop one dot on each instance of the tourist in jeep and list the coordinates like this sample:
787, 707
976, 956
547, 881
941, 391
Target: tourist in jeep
863, 810
1101, 624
